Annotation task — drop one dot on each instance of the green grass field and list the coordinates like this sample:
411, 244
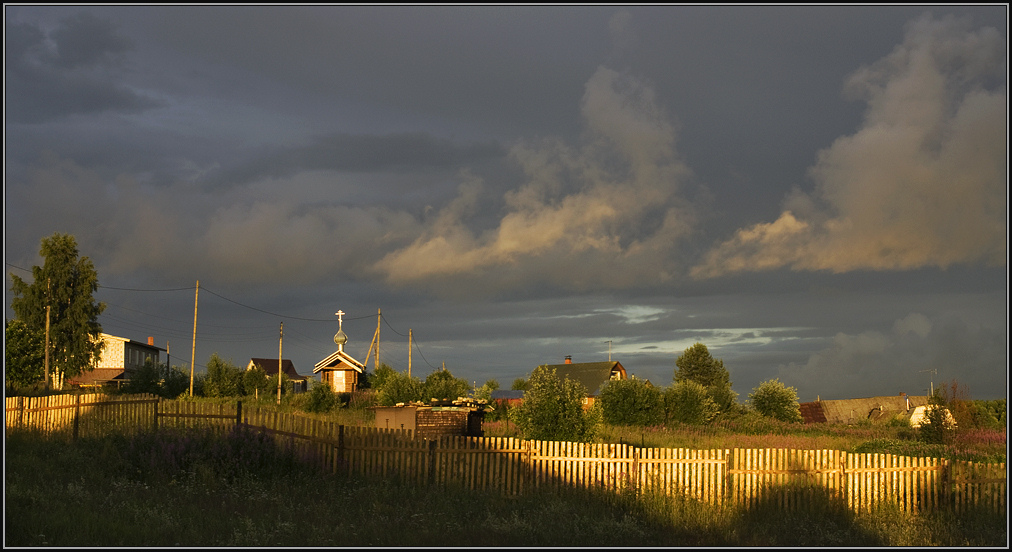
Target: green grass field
172, 489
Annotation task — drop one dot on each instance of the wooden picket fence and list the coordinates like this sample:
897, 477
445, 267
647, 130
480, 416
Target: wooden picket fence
786, 477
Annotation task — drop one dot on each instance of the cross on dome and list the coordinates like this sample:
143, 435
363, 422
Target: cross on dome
340, 338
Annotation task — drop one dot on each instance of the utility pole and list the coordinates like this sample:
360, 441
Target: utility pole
48, 281
281, 338
375, 342
193, 350
409, 353
609, 350
935, 372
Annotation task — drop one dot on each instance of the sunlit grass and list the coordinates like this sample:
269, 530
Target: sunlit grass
193, 490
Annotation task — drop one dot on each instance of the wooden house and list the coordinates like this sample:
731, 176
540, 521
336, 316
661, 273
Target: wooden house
119, 358
593, 375
270, 367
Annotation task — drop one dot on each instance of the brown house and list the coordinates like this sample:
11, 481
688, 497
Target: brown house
270, 367
593, 375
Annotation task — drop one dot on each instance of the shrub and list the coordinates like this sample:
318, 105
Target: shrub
145, 379
552, 409
320, 399
224, 379
255, 382
485, 391
631, 402
688, 402
775, 400
399, 388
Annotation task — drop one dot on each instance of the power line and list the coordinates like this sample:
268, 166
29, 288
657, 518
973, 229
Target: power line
280, 315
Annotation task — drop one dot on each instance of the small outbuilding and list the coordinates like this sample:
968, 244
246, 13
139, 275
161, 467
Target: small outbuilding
438, 418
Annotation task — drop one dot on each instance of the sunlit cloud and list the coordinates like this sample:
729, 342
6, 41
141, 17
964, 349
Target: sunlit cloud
921, 183
604, 213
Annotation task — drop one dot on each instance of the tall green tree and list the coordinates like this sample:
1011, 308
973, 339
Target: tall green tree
552, 409
379, 378
23, 354
66, 283
441, 384
698, 365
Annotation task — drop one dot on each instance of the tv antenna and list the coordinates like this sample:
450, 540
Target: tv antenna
934, 372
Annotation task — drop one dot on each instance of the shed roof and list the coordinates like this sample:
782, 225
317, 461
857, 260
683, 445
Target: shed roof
846, 411
98, 374
506, 394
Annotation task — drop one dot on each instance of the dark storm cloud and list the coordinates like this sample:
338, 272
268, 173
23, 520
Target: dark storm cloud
68, 71
552, 172
359, 153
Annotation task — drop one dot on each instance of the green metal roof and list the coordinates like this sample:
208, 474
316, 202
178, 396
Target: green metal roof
593, 375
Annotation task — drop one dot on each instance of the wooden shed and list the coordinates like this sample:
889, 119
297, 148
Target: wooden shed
435, 419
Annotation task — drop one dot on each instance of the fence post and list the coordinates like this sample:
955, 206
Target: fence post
340, 446
238, 413
634, 473
77, 413
432, 462
158, 402
947, 495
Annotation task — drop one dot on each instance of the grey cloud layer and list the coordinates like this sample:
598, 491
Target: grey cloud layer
558, 187
65, 72
921, 183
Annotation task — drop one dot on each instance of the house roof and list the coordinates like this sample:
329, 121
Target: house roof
100, 374
847, 411
506, 394
336, 360
270, 366
593, 375
109, 337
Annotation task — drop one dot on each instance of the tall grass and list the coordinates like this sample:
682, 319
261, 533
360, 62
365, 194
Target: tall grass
193, 489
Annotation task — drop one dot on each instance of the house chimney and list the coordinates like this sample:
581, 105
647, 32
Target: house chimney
569, 359
151, 341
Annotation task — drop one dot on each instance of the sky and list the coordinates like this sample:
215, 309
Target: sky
818, 194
